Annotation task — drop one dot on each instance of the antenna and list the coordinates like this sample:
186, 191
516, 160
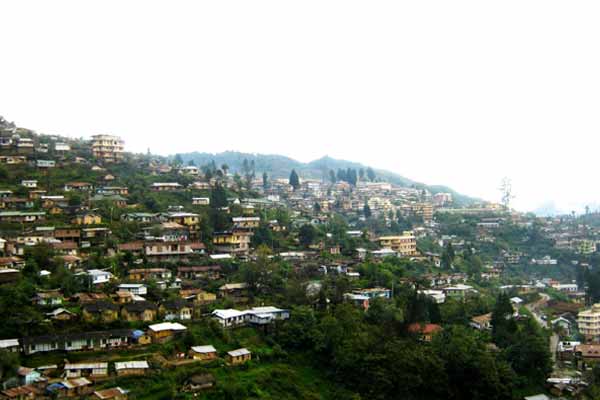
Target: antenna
506, 191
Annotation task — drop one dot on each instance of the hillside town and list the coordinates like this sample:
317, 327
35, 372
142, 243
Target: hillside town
137, 276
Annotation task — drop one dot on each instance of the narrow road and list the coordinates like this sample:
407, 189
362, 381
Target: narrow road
534, 309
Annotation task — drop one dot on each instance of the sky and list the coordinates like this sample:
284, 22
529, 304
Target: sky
460, 93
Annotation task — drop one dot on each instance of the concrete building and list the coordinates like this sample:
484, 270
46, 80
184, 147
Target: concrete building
108, 148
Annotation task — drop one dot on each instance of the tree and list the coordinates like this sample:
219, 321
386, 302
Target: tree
178, 160
367, 210
294, 180
371, 174
351, 175
307, 235
503, 325
317, 208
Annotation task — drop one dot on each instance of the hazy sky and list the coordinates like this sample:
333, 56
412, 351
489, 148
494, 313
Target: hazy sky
460, 93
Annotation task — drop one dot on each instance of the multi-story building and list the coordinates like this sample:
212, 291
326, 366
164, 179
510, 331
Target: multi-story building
236, 242
405, 244
589, 323
108, 148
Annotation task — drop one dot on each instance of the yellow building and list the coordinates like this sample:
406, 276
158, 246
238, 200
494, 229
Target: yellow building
184, 218
238, 356
232, 241
423, 210
405, 244
589, 323
108, 148
87, 219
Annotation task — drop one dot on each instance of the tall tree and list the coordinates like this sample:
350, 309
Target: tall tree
332, 176
371, 174
367, 210
294, 180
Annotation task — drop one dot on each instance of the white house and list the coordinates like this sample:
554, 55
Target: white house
257, 315
98, 276
134, 288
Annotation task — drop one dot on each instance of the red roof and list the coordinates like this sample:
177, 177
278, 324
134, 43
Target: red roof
424, 329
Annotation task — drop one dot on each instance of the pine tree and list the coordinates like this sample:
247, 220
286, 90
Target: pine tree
294, 180
367, 210
371, 174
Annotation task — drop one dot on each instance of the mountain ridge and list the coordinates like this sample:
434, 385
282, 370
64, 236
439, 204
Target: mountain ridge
280, 166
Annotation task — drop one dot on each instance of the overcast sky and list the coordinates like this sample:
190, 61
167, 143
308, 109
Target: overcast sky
460, 93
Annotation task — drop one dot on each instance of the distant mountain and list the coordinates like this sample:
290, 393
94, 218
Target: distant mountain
278, 166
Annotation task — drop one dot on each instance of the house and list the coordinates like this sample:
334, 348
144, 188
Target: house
232, 242
28, 376
143, 274
87, 219
198, 296
174, 250
115, 393
139, 311
230, 318
183, 218
100, 340
239, 356
98, 276
103, 311
209, 272
199, 382
61, 314
131, 368
22, 216
588, 352
78, 186
165, 331
85, 298
424, 331
69, 388
266, 315
405, 245
134, 288
48, 298
459, 291
362, 297
9, 275
87, 370
67, 234
238, 292
22, 392
482, 322
204, 353
142, 218
176, 309
45, 163
201, 201
165, 186
29, 183
10, 345
245, 223
438, 296
588, 322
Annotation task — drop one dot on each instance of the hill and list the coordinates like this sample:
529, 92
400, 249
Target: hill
279, 166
